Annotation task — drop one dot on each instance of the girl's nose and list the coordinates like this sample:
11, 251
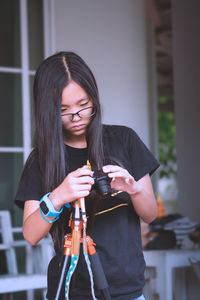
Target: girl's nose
76, 117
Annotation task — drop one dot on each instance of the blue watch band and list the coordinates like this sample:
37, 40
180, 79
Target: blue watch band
47, 207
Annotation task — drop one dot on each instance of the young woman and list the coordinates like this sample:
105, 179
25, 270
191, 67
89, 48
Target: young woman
68, 132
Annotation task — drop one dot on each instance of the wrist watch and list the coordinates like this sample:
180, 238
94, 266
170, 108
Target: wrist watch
47, 207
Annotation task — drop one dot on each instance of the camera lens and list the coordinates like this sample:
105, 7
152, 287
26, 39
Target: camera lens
102, 183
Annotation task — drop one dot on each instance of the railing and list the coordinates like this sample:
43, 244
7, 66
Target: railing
36, 261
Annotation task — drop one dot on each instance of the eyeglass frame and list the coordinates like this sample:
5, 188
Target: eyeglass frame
77, 113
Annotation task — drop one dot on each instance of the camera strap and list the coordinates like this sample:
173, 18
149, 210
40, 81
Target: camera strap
85, 250
79, 226
74, 249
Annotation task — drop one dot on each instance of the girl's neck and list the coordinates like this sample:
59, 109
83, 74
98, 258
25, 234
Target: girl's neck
75, 142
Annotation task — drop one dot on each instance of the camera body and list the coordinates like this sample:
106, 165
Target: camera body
102, 183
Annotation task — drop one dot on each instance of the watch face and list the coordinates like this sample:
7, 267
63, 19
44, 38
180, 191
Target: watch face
44, 207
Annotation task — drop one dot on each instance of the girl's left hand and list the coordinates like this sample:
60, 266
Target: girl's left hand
121, 179
141, 191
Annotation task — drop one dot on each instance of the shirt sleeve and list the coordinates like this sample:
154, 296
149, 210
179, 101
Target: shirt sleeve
141, 159
30, 187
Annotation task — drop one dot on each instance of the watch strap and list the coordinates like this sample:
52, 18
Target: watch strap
47, 207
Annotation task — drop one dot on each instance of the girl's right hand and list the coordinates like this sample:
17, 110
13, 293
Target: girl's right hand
77, 184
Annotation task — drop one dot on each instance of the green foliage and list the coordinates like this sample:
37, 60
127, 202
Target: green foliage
167, 133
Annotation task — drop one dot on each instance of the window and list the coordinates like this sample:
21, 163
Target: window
24, 44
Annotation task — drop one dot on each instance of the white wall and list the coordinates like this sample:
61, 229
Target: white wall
186, 45
110, 36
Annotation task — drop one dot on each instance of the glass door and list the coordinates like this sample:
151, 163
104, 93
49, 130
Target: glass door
23, 47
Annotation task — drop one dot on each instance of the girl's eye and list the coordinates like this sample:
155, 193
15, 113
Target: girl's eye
84, 104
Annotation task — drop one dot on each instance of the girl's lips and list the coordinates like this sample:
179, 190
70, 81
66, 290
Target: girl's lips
78, 127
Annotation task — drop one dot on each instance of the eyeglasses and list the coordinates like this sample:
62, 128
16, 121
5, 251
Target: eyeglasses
84, 113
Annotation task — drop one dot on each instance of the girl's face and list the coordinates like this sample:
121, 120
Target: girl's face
76, 110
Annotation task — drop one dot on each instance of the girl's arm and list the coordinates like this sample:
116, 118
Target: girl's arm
76, 185
34, 227
141, 191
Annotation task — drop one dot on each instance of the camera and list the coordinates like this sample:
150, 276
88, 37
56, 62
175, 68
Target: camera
102, 183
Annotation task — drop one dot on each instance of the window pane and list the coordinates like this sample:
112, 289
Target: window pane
35, 27
9, 33
32, 109
10, 110
10, 171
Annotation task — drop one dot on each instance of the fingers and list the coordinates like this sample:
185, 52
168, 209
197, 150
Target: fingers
76, 184
80, 190
115, 171
81, 176
80, 182
83, 187
110, 168
84, 171
84, 180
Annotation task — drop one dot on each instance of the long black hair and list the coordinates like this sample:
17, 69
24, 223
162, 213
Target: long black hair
52, 76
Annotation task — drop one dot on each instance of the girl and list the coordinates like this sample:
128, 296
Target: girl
68, 132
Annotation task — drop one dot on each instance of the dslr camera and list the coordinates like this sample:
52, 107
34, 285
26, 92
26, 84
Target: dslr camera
102, 183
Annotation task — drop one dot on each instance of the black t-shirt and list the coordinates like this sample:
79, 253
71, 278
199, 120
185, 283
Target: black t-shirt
116, 229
